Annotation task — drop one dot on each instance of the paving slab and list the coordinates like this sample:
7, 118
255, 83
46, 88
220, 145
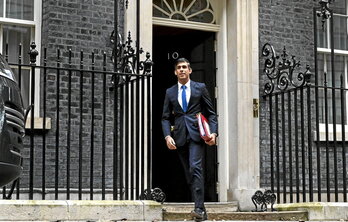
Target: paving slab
79, 210
319, 211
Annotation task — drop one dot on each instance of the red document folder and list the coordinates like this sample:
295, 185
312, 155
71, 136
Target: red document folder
203, 127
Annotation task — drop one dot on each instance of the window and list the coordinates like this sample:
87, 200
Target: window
195, 11
20, 23
340, 35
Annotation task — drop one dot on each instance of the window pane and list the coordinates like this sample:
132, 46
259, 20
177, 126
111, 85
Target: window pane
25, 81
322, 34
160, 9
20, 9
324, 66
340, 28
340, 32
339, 6
1, 8
13, 36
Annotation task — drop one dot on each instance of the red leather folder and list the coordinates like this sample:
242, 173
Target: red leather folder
203, 127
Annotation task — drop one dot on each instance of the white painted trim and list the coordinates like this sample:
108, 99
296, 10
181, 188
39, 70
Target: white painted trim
37, 39
146, 44
339, 132
243, 83
185, 24
20, 22
222, 107
336, 51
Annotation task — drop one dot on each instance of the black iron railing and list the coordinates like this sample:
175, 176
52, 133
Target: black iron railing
308, 157
307, 119
89, 129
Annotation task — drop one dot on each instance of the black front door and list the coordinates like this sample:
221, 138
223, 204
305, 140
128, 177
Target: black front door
198, 47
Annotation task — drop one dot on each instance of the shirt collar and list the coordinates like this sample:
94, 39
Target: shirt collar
187, 84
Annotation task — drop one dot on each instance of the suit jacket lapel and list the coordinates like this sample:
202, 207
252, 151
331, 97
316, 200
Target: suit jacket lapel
175, 96
193, 92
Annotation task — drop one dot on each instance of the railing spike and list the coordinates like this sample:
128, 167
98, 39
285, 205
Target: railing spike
33, 53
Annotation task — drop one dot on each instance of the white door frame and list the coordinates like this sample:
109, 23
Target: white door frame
237, 85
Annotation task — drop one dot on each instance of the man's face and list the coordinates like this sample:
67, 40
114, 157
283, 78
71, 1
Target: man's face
183, 71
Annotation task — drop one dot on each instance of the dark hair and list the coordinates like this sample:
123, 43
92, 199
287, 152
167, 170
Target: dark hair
180, 60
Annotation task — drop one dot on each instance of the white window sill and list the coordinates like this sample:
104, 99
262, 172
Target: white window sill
339, 134
38, 123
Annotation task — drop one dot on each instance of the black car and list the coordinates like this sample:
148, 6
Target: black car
11, 125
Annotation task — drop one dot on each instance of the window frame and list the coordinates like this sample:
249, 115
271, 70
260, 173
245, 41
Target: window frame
35, 26
327, 52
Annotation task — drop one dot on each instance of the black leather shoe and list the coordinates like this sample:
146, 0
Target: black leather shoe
199, 214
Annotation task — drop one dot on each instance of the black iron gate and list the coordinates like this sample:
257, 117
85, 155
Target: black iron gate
306, 124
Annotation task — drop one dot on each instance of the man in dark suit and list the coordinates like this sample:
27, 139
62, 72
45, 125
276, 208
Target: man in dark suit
183, 102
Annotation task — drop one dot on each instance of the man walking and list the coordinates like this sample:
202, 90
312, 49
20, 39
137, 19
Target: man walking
184, 101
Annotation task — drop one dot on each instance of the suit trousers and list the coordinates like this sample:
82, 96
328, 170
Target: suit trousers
191, 156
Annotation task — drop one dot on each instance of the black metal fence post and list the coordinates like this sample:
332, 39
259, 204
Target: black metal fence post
316, 83
56, 181
104, 129
91, 177
290, 148
68, 145
80, 167
44, 108
33, 54
343, 123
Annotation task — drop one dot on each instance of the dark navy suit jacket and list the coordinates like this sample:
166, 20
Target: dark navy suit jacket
185, 123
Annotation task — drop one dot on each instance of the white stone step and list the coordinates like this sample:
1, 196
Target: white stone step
210, 206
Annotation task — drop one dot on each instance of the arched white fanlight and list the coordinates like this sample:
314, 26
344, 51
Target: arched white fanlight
186, 10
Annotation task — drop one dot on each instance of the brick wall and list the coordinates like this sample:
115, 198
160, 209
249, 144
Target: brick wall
283, 24
76, 25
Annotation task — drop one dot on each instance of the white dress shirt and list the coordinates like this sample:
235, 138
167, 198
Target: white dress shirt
188, 92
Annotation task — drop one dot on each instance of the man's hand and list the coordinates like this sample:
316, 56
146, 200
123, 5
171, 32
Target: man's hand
212, 141
170, 143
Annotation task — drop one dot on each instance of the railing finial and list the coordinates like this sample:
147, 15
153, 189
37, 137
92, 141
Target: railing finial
33, 53
147, 64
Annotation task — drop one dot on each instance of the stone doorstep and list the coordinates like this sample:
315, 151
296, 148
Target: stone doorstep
241, 216
210, 206
227, 211
319, 211
79, 210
